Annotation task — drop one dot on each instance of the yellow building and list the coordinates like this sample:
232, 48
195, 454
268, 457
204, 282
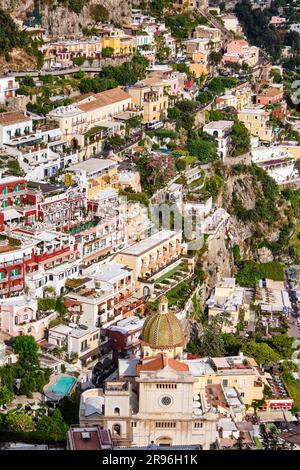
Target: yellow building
150, 94
256, 120
113, 179
118, 41
199, 64
91, 111
152, 254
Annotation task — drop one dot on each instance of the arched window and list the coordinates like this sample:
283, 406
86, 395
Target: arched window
117, 411
116, 429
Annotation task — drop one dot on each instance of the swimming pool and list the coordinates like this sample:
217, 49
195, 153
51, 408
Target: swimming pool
63, 385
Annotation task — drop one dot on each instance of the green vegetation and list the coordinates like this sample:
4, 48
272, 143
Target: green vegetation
240, 138
10, 35
252, 272
261, 352
49, 304
178, 294
99, 13
293, 388
181, 24
142, 198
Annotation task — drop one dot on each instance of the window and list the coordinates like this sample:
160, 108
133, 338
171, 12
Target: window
2, 275
84, 345
242, 394
242, 383
198, 425
14, 272
117, 411
116, 430
225, 382
165, 400
25, 317
165, 424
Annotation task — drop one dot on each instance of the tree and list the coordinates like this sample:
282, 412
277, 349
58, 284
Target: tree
173, 113
60, 306
214, 58
271, 440
204, 150
107, 52
211, 341
69, 408
27, 349
19, 422
6, 395
282, 343
261, 352
231, 344
236, 253
53, 426
240, 443
99, 13
240, 138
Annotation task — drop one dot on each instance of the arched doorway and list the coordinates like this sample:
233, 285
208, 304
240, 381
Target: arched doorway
164, 441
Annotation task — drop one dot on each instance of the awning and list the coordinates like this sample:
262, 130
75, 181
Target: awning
11, 214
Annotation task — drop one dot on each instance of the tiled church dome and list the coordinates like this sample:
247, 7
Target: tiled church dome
162, 329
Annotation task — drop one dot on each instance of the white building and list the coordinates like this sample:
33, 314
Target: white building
220, 130
8, 88
277, 162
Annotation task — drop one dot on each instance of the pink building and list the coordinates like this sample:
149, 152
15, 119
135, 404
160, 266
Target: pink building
239, 51
19, 315
269, 96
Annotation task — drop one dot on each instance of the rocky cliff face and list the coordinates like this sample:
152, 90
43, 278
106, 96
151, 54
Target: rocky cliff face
59, 20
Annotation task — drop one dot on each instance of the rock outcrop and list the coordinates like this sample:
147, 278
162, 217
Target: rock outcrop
60, 21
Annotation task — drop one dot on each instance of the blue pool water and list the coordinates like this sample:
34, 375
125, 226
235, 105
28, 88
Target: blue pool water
63, 385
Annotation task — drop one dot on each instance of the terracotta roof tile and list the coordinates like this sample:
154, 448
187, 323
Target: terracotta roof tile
104, 98
13, 117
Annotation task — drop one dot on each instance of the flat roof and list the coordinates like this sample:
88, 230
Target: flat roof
92, 165
149, 243
110, 271
218, 125
127, 324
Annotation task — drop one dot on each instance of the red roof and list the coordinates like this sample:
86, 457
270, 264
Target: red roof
189, 84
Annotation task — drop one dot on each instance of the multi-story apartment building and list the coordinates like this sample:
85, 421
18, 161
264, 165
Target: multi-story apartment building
117, 40
83, 341
213, 34
8, 88
150, 255
239, 51
124, 337
150, 96
220, 130
67, 50
15, 259
76, 119
58, 207
256, 120
20, 315
113, 297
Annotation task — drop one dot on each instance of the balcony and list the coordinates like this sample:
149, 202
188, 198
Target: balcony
4, 291
16, 288
14, 278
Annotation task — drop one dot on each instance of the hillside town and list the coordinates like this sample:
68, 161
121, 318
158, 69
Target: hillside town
150, 225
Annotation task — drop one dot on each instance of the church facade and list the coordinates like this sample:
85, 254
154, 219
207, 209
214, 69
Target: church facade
152, 399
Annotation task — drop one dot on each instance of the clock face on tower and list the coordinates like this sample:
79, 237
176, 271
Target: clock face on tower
165, 400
